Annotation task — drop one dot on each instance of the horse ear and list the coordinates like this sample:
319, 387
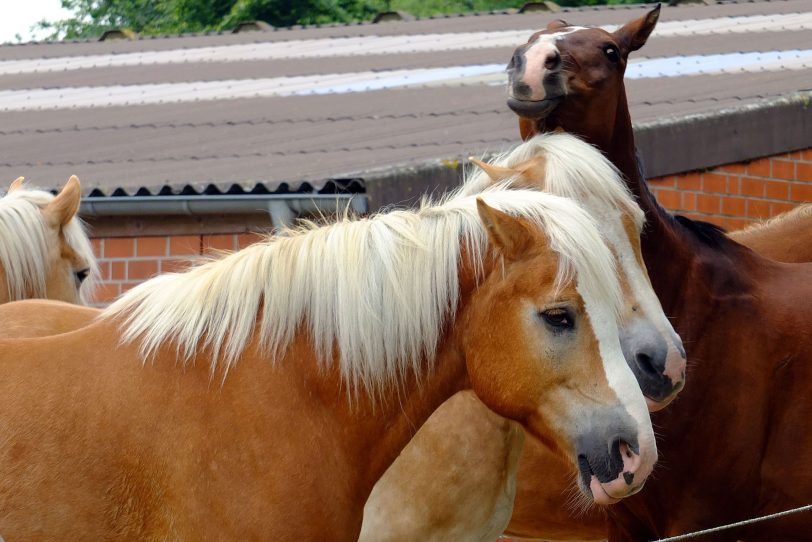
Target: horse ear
506, 233
633, 35
16, 184
65, 205
557, 24
533, 169
496, 173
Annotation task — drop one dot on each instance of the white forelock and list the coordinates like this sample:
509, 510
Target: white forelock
574, 169
379, 290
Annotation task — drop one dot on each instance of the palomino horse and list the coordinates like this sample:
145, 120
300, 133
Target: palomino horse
744, 319
332, 346
455, 481
44, 250
784, 238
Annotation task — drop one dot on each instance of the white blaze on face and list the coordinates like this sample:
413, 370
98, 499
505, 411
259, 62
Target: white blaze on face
535, 58
618, 374
648, 305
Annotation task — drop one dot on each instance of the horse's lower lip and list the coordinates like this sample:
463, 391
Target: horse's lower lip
537, 109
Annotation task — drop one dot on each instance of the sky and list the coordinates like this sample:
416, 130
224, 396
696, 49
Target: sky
19, 15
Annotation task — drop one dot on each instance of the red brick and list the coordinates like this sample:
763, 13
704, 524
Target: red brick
119, 248
150, 246
689, 201
784, 169
141, 269
713, 182
732, 168
106, 292
804, 171
118, 270
245, 239
128, 286
800, 192
777, 189
690, 181
669, 181
718, 220
708, 204
752, 187
104, 270
184, 245
778, 207
734, 206
734, 185
670, 199
175, 265
759, 168
97, 246
797, 155
807, 155
218, 242
738, 223
758, 208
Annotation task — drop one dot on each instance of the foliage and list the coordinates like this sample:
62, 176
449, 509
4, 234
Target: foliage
92, 17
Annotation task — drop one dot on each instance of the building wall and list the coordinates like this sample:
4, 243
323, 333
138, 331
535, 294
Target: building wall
732, 196
735, 195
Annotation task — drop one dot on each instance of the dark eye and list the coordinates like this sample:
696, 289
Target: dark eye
82, 275
559, 319
611, 53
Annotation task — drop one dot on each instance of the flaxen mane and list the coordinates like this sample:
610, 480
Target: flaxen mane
24, 244
379, 289
574, 169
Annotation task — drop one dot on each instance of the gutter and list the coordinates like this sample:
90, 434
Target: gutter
283, 208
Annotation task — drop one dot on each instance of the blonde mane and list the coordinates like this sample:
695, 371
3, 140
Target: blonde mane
379, 290
574, 169
24, 250
800, 212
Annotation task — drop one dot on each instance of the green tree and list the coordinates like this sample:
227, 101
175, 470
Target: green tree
90, 18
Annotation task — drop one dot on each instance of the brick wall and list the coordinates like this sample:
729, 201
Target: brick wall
126, 261
735, 195
731, 196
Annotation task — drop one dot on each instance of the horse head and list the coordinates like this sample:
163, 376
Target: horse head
652, 348
571, 77
556, 341
46, 253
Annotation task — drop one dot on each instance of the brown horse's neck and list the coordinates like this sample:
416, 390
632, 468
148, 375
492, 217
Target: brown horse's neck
679, 263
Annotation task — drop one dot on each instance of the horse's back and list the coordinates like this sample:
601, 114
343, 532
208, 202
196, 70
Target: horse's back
42, 317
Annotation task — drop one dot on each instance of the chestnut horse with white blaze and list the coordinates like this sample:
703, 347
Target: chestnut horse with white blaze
744, 319
44, 250
455, 480
265, 393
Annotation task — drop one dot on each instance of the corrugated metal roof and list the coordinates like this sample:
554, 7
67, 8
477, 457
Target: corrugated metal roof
312, 108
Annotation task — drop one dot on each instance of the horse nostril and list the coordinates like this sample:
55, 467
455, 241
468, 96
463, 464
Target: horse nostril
553, 61
645, 363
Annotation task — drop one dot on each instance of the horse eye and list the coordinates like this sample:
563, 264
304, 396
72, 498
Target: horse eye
559, 319
81, 275
611, 53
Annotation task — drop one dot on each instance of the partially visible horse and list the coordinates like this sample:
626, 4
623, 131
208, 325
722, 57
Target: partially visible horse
456, 481
744, 319
282, 380
570, 78
783, 238
44, 250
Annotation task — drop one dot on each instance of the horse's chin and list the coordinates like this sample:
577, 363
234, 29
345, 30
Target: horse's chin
535, 109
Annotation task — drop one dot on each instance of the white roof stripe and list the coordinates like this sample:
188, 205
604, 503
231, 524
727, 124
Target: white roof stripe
121, 95
359, 46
